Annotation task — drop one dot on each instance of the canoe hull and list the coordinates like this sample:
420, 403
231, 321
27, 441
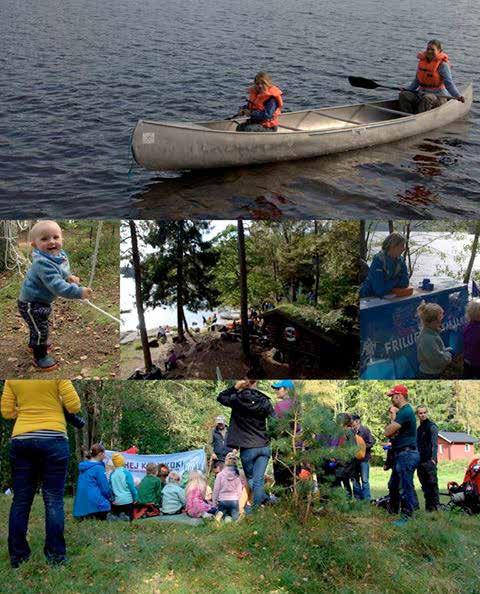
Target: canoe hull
163, 146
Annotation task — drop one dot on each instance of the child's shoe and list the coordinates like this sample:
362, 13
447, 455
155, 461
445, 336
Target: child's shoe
228, 519
219, 516
207, 516
45, 363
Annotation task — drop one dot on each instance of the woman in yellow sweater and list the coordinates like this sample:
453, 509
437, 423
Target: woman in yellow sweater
39, 454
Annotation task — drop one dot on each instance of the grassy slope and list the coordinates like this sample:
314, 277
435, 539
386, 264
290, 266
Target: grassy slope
352, 549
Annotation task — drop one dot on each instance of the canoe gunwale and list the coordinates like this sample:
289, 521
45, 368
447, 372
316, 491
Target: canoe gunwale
200, 127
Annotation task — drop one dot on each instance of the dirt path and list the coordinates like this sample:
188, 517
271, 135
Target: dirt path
202, 355
84, 341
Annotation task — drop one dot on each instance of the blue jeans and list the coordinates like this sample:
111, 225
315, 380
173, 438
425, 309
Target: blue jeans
229, 508
38, 462
400, 485
254, 462
361, 488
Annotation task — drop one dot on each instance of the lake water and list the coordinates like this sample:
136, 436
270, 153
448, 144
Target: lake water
76, 76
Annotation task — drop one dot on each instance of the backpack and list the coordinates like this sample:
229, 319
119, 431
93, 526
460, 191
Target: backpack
362, 448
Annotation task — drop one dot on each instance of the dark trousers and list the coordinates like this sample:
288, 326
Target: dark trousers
427, 475
470, 372
34, 462
229, 508
400, 486
123, 509
36, 315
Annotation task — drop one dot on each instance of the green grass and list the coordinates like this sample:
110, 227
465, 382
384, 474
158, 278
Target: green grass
351, 548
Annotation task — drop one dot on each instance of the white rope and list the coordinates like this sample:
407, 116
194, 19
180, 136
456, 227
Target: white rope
100, 310
95, 253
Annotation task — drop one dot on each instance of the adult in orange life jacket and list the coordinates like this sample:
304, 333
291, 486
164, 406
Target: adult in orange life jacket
263, 106
433, 82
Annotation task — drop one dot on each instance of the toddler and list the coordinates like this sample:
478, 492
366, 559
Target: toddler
197, 505
47, 278
228, 490
433, 357
471, 342
173, 495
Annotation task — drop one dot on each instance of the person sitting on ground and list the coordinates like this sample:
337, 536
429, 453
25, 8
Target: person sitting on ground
48, 277
263, 107
196, 505
171, 361
471, 341
93, 494
228, 489
163, 472
150, 487
173, 495
433, 82
433, 357
388, 269
123, 487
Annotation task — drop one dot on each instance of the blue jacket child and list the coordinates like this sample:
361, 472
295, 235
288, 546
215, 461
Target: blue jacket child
46, 279
93, 490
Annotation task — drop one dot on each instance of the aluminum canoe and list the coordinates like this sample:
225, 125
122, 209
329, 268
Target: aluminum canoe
300, 135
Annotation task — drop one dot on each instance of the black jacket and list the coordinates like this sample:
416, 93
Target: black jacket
248, 421
219, 444
427, 441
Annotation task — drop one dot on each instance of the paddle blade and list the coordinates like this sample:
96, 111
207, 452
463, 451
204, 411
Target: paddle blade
363, 83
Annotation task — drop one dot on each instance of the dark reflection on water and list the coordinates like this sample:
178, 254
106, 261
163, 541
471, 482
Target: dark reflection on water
76, 76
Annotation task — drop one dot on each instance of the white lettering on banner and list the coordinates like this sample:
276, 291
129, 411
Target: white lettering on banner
453, 324
398, 344
179, 461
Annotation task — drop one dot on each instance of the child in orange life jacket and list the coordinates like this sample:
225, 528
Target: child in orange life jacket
263, 106
47, 278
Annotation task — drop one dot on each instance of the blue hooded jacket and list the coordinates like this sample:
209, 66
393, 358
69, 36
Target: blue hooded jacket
46, 279
93, 490
384, 274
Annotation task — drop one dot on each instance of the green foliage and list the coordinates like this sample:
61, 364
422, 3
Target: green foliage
329, 320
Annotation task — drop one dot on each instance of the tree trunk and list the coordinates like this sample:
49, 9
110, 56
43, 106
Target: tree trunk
147, 356
407, 250
390, 227
180, 283
363, 241
317, 265
473, 253
242, 260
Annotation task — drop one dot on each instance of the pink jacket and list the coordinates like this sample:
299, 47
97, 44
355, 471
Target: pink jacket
228, 486
195, 504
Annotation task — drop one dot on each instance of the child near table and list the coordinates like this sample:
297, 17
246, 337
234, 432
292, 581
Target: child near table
471, 341
47, 278
433, 356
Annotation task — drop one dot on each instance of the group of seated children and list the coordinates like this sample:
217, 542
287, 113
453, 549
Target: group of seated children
161, 491
433, 356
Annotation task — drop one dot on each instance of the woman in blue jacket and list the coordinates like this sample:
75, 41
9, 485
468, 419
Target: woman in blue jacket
92, 499
388, 269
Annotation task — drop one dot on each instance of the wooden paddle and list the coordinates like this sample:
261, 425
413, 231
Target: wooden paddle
368, 83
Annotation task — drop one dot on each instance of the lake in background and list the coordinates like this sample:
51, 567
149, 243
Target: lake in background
429, 264
76, 76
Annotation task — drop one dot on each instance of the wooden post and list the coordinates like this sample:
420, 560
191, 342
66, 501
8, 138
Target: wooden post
473, 254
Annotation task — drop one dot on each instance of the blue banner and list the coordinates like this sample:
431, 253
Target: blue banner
389, 327
179, 461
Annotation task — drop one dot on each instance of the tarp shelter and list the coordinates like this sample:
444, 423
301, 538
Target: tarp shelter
389, 327
179, 461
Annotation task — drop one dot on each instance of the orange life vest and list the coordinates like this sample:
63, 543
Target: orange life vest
256, 101
427, 72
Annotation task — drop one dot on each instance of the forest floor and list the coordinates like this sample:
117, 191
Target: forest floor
203, 353
85, 342
348, 547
